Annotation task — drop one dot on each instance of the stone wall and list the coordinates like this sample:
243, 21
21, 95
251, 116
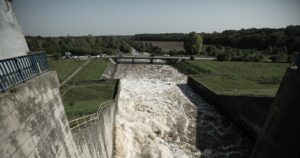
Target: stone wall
12, 41
280, 135
33, 124
249, 112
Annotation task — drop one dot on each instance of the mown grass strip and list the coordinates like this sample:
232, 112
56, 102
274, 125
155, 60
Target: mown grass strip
237, 78
65, 68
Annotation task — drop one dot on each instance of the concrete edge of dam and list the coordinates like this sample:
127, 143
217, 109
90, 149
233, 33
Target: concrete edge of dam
248, 112
271, 121
34, 124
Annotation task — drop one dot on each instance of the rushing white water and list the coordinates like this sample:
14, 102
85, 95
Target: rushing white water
159, 116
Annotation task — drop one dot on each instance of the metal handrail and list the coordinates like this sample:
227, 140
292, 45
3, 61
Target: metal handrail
92, 117
20, 69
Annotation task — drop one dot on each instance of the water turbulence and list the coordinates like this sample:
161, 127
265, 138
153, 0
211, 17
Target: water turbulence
160, 116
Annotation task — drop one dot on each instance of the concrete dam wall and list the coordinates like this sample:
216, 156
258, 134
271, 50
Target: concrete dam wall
33, 124
12, 41
280, 134
249, 112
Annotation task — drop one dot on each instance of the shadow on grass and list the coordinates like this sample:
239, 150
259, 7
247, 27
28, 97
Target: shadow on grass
215, 134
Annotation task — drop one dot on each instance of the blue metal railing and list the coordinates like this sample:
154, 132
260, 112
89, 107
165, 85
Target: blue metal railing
19, 69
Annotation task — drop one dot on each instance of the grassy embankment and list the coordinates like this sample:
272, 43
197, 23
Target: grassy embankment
237, 78
83, 93
65, 68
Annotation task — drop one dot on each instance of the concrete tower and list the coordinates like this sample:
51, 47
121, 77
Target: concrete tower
12, 41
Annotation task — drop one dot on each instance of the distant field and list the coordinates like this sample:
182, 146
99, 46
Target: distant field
167, 45
237, 78
65, 68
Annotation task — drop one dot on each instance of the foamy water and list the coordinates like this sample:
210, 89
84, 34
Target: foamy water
159, 116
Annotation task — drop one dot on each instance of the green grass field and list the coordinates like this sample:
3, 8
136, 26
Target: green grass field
237, 78
84, 99
92, 71
83, 93
64, 68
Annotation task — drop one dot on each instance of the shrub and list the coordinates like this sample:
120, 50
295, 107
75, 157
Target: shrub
71, 103
224, 57
192, 57
125, 48
56, 56
290, 59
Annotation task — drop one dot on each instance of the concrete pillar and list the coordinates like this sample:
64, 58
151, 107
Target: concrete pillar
12, 41
280, 136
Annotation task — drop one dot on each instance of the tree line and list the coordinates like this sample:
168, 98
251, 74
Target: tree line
82, 45
287, 40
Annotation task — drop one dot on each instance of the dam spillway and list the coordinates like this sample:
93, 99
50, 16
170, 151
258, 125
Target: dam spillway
158, 115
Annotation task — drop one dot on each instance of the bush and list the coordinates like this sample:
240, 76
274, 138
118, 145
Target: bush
224, 56
56, 56
258, 57
125, 48
210, 49
290, 59
278, 57
71, 103
192, 57
172, 52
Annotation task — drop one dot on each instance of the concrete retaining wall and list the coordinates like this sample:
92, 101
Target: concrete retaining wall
12, 41
33, 124
96, 140
280, 135
249, 112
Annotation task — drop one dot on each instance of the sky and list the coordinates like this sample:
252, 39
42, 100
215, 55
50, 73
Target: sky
128, 17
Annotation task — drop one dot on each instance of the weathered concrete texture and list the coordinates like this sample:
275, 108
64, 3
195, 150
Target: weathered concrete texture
110, 70
12, 41
280, 135
249, 112
33, 124
33, 121
96, 140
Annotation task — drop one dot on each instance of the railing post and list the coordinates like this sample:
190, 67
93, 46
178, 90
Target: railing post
77, 125
38, 64
32, 62
19, 70
1, 80
84, 122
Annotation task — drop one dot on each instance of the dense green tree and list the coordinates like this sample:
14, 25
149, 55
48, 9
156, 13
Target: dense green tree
82, 45
193, 43
260, 39
125, 48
